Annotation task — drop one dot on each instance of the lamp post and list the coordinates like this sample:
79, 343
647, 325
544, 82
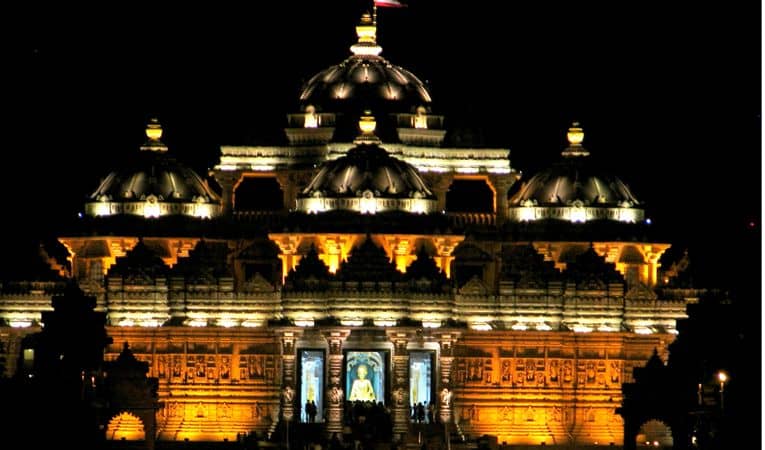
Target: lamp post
722, 377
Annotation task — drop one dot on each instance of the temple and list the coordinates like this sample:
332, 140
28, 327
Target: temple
366, 255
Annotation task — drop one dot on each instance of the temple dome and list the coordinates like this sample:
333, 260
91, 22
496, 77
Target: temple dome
366, 80
368, 180
572, 189
154, 184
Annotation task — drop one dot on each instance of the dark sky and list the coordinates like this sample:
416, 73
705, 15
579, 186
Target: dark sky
669, 93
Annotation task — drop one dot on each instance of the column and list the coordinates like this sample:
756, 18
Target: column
445, 389
226, 181
335, 339
288, 337
438, 183
400, 383
291, 182
501, 184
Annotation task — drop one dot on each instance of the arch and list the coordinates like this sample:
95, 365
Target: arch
125, 426
471, 194
654, 434
258, 193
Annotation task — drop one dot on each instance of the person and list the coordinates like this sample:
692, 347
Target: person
362, 388
311, 409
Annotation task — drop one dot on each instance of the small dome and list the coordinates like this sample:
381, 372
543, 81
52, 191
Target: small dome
573, 190
368, 180
154, 184
366, 80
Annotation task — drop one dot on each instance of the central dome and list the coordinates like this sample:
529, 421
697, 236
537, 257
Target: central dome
365, 80
368, 180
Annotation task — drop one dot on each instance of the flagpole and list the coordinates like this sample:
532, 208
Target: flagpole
374, 13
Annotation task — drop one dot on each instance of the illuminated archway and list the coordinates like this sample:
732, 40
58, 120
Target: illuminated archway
470, 195
258, 193
125, 426
654, 434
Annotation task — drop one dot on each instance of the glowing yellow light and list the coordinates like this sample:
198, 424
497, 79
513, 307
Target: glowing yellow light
480, 326
431, 323
643, 330
384, 323
722, 376
20, 323
367, 123
311, 118
582, 329
352, 322
252, 323
543, 327
151, 207
304, 322
606, 328
126, 323
101, 209
368, 203
227, 322
149, 323
627, 215
154, 130
526, 214
197, 323
578, 215
421, 119
519, 327
575, 135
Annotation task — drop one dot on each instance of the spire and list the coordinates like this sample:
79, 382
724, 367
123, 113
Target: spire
367, 33
153, 135
367, 125
575, 136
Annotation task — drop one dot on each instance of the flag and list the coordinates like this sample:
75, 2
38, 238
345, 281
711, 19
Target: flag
389, 4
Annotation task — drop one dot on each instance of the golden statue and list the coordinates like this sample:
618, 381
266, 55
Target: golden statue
362, 388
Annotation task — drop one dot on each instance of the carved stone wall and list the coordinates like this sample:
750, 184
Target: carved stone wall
554, 388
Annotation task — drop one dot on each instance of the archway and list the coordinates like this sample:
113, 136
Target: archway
125, 426
654, 434
473, 195
256, 193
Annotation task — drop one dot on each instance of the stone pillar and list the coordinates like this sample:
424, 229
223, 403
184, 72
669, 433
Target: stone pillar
445, 392
502, 184
288, 336
400, 383
291, 183
227, 181
438, 183
335, 339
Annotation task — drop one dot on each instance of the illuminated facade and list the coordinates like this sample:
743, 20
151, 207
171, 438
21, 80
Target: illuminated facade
364, 283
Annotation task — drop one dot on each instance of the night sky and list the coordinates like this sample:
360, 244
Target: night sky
669, 94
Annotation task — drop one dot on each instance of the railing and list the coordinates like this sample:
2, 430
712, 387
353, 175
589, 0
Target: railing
459, 219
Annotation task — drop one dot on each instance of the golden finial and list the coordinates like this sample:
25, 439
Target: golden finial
367, 125
575, 135
154, 129
154, 134
366, 30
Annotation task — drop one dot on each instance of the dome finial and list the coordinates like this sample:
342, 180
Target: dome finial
154, 134
367, 125
366, 30
575, 136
